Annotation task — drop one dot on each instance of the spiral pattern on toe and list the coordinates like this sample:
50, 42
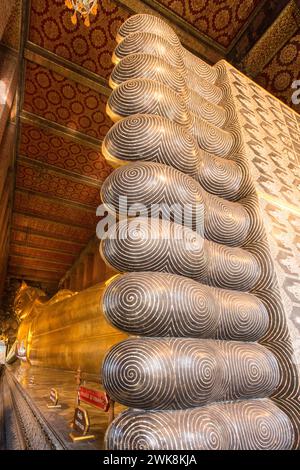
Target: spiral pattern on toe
198, 68
148, 23
154, 138
158, 245
206, 109
225, 222
151, 44
243, 317
146, 66
210, 138
267, 426
203, 88
152, 68
140, 96
155, 245
151, 138
243, 425
162, 304
179, 373
155, 190
213, 170
231, 268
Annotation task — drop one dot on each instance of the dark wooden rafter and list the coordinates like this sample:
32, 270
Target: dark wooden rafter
63, 131
261, 19
66, 68
38, 260
43, 236
19, 104
55, 199
16, 244
33, 274
60, 224
66, 223
54, 170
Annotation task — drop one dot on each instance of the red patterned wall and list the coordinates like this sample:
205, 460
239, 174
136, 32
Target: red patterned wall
221, 20
61, 100
51, 28
63, 152
45, 181
278, 76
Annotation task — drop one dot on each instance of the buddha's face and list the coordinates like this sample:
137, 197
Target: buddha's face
24, 300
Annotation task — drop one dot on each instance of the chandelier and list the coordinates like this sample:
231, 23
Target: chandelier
85, 8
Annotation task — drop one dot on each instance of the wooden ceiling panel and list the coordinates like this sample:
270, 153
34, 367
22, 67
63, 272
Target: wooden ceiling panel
61, 100
34, 240
22, 272
33, 263
48, 182
220, 20
29, 252
53, 209
51, 229
91, 48
62, 152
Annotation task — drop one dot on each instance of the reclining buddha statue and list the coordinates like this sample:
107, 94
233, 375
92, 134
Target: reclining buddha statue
190, 333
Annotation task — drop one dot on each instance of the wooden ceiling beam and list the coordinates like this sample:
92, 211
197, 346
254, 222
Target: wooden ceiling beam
55, 199
80, 245
36, 258
44, 219
55, 170
37, 275
32, 215
66, 68
63, 131
46, 250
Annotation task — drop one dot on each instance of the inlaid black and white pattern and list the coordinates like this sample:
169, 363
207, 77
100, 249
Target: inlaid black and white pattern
162, 304
141, 96
243, 425
157, 139
179, 373
175, 110
152, 186
144, 244
203, 102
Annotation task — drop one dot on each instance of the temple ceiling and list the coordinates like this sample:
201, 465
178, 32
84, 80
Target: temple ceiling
62, 97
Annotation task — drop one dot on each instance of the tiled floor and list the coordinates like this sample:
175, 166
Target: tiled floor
37, 383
